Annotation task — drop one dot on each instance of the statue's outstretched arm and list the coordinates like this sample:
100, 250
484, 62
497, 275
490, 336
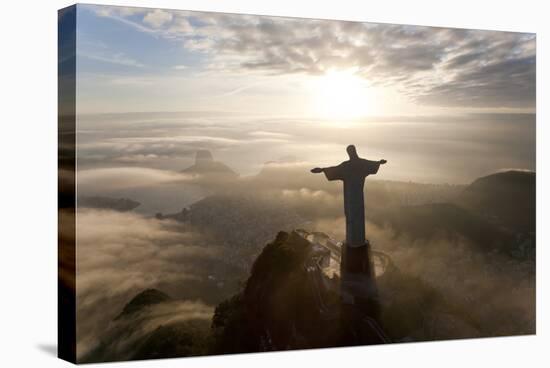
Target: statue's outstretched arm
332, 172
379, 162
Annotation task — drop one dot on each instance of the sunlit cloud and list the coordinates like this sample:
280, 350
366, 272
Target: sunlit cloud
433, 66
118, 58
108, 179
157, 18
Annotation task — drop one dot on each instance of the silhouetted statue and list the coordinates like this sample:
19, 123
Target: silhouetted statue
360, 309
353, 173
358, 290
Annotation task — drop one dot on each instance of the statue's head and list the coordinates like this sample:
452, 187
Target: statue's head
352, 152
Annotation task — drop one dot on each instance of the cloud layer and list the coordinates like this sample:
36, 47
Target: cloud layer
122, 254
434, 66
134, 149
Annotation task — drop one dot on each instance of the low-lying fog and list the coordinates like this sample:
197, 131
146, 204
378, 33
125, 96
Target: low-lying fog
140, 156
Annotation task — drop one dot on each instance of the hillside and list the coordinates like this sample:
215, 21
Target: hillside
116, 204
424, 222
508, 198
205, 165
288, 302
152, 325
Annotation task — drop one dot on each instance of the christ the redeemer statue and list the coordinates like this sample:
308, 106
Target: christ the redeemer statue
358, 290
353, 173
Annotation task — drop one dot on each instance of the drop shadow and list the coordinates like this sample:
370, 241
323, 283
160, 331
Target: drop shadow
50, 349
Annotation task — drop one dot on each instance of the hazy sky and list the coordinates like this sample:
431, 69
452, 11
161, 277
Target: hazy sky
139, 59
441, 105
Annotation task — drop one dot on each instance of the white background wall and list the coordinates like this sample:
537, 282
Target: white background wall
28, 185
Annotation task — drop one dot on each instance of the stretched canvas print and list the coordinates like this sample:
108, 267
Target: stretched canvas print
239, 183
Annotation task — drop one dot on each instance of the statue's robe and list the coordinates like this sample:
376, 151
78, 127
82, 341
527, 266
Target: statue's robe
353, 173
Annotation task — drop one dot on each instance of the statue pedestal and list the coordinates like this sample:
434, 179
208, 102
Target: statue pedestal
357, 278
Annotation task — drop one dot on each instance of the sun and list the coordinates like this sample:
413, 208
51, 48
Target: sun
341, 94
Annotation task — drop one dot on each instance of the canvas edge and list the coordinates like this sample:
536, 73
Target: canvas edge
66, 246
